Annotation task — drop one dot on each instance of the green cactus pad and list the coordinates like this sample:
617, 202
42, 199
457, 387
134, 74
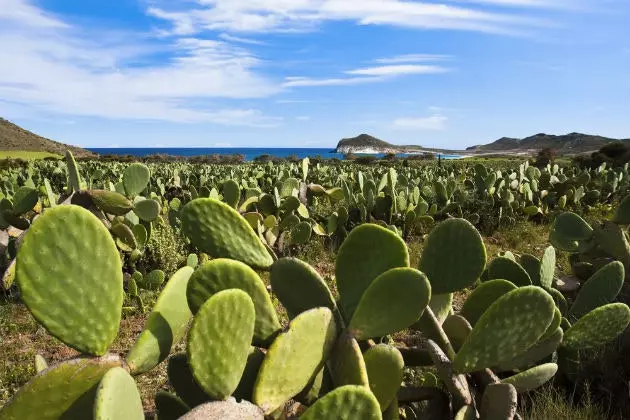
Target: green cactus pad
572, 227
597, 327
548, 267
169, 406
482, 297
532, 265
147, 210
299, 287
561, 301
453, 257
231, 193
532, 378
225, 410
601, 288
154, 279
349, 402
385, 368
346, 363
622, 214
394, 301
165, 326
218, 230
136, 178
219, 341
512, 323
507, 269
301, 233
368, 251
70, 277
457, 329
73, 172
441, 305
111, 202
141, 235
535, 353
221, 274
24, 199
499, 402
245, 388
181, 378
294, 358
62, 391
117, 397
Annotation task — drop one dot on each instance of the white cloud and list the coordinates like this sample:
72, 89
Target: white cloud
413, 58
222, 145
231, 38
398, 70
19, 11
58, 69
286, 15
307, 81
433, 122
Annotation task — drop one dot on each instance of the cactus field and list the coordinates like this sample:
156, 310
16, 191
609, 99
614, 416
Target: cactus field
310, 289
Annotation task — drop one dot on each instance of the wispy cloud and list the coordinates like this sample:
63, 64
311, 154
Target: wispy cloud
241, 40
413, 58
397, 70
434, 122
307, 81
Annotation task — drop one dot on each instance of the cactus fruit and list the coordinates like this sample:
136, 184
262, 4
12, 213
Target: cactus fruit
345, 403
508, 269
294, 358
463, 262
601, 288
299, 287
367, 252
385, 369
117, 397
169, 406
165, 326
482, 297
147, 210
346, 363
532, 378
218, 230
513, 322
50, 278
57, 392
219, 341
221, 274
136, 178
597, 327
499, 402
394, 301
111, 202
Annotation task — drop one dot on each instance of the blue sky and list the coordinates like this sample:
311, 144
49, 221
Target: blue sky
306, 73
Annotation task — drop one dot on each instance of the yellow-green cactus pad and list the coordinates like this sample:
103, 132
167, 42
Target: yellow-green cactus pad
385, 369
441, 305
367, 252
70, 277
532, 378
597, 327
117, 397
346, 363
221, 274
511, 324
62, 391
220, 231
535, 353
547, 267
136, 178
147, 210
453, 257
111, 202
165, 326
601, 288
294, 358
219, 341
395, 300
350, 402
508, 269
482, 297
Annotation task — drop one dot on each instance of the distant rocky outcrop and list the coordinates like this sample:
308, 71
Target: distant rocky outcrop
365, 143
15, 138
564, 144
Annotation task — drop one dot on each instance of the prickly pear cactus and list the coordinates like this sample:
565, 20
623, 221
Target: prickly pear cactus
345, 403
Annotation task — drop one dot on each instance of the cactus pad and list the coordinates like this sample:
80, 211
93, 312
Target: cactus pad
537, 352
367, 252
111, 202
548, 267
58, 391
299, 287
385, 368
394, 301
601, 288
512, 323
245, 387
165, 326
70, 277
457, 329
454, 256
499, 402
117, 397
508, 269
346, 363
24, 199
622, 214
441, 305
482, 297
221, 274
597, 327
218, 230
136, 178
169, 406
40, 363
532, 378
219, 341
180, 377
294, 358
147, 210
349, 402
532, 265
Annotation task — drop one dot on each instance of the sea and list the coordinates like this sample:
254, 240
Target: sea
249, 152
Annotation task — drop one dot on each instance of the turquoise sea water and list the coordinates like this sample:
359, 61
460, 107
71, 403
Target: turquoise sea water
249, 153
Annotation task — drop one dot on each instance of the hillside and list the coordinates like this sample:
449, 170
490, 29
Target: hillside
564, 144
364, 143
14, 138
